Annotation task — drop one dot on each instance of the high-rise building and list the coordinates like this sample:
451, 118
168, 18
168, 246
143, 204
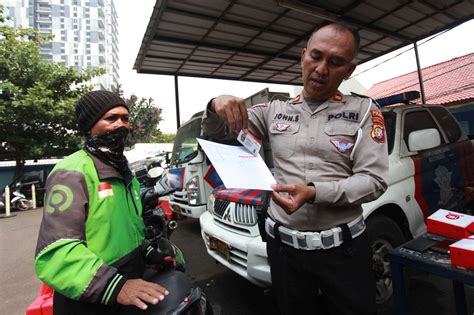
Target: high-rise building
85, 32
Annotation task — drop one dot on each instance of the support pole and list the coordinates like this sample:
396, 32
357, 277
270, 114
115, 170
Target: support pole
33, 195
420, 76
7, 204
176, 96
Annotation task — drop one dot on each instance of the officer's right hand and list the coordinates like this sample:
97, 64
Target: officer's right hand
137, 292
232, 110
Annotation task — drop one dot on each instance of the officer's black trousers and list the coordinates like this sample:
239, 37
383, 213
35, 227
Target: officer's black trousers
343, 275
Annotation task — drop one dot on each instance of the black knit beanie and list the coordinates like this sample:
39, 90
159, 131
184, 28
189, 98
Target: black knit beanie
93, 105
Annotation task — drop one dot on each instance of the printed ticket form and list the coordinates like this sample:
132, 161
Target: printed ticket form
237, 167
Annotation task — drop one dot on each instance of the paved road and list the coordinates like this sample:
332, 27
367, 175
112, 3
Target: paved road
18, 283
230, 294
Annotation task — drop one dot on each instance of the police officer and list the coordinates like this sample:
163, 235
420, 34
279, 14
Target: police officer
90, 241
330, 156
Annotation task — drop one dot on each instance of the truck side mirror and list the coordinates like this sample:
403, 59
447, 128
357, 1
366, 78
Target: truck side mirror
424, 139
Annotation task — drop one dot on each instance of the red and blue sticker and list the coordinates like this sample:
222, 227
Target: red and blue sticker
244, 196
176, 177
212, 178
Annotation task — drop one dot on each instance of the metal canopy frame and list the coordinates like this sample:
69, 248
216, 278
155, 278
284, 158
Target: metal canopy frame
261, 41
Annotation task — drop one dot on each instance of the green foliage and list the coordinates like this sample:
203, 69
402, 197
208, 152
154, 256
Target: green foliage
159, 137
144, 119
37, 97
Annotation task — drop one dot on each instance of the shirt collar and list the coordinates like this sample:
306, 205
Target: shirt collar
104, 170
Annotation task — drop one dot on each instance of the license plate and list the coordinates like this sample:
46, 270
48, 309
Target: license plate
219, 246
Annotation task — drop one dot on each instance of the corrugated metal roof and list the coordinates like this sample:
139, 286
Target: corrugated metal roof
261, 40
449, 82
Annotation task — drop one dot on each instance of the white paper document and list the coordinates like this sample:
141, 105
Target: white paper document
237, 167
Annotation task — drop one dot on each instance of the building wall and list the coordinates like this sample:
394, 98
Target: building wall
85, 32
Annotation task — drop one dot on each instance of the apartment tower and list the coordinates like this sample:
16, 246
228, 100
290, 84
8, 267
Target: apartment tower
85, 32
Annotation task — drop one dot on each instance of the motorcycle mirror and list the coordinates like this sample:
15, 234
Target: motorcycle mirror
155, 172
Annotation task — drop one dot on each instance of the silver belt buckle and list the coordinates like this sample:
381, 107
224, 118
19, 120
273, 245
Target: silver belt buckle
314, 241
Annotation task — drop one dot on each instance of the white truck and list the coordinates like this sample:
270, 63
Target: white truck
190, 172
431, 166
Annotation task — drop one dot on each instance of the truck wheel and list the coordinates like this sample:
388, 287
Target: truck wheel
384, 234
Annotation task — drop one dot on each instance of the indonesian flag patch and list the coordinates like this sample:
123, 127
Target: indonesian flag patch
105, 190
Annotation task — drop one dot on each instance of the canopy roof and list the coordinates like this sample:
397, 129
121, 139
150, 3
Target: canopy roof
261, 41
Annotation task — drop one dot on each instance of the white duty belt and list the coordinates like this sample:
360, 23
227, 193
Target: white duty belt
314, 240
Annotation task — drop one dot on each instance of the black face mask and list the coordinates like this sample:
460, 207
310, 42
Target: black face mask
108, 148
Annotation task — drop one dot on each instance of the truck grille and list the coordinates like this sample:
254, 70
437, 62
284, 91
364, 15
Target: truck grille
245, 214
241, 213
219, 207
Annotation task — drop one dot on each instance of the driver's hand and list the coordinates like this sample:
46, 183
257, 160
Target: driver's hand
138, 292
232, 110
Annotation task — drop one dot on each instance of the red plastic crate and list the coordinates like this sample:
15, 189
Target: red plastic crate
43, 304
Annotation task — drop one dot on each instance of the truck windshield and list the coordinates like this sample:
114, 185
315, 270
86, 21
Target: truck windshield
185, 144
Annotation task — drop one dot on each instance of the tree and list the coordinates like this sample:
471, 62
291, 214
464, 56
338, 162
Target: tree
37, 98
144, 119
160, 137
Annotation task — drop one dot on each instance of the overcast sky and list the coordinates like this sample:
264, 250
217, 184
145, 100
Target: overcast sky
195, 93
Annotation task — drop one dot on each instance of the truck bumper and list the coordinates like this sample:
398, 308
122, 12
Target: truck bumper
247, 255
186, 210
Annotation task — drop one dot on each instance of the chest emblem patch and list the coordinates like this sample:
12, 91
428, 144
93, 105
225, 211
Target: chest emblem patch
282, 127
342, 145
105, 190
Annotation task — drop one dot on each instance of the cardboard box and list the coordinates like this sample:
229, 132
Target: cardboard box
462, 253
450, 224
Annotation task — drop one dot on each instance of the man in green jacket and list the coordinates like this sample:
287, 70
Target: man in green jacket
90, 242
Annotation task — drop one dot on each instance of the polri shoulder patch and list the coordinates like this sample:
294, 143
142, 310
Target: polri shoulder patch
378, 126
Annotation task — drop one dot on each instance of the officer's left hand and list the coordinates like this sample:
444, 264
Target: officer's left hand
297, 195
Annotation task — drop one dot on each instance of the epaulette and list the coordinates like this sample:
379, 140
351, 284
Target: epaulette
296, 100
337, 97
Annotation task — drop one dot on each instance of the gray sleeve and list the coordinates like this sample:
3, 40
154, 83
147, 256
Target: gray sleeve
65, 208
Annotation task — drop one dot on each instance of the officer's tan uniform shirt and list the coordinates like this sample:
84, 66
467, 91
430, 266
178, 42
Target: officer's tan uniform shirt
315, 147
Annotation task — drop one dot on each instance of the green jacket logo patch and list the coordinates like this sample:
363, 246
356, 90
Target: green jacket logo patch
60, 198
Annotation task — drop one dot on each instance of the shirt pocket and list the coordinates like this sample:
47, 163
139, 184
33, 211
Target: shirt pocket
340, 139
283, 136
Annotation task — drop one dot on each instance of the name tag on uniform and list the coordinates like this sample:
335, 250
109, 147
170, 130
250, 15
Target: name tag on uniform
249, 141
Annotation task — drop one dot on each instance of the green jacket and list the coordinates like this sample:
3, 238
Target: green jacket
92, 227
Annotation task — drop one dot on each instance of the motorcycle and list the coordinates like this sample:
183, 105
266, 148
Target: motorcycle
184, 298
17, 200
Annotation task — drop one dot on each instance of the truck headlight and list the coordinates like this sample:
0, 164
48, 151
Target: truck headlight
192, 189
210, 203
